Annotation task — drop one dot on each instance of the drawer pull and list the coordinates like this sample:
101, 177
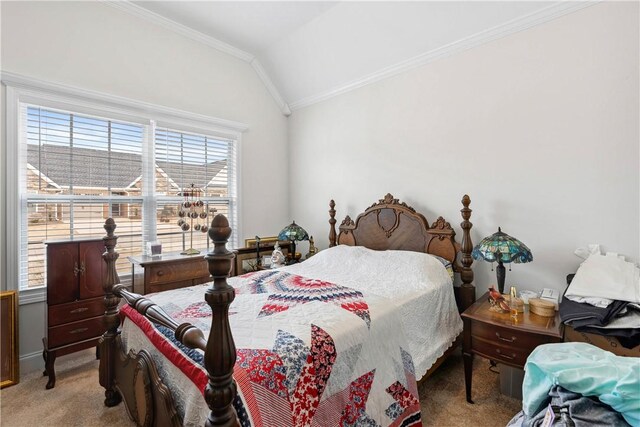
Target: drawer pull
505, 339
506, 356
78, 331
160, 273
78, 310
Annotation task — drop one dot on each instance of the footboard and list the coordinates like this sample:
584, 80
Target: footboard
134, 377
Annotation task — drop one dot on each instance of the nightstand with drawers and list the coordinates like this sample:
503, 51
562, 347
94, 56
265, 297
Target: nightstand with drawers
498, 337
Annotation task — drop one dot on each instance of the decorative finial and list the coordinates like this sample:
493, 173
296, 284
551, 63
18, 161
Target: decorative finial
219, 230
110, 227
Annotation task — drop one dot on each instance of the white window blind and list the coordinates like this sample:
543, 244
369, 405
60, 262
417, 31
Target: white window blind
192, 164
77, 170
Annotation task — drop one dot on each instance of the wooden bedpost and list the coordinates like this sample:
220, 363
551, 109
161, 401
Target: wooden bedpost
111, 318
220, 354
332, 224
467, 289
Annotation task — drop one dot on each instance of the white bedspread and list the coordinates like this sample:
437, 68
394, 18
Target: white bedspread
417, 283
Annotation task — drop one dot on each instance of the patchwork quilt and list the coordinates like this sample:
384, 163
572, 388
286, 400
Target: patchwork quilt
309, 353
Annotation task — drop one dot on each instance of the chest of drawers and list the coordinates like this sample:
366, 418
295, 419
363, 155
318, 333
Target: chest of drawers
167, 271
75, 274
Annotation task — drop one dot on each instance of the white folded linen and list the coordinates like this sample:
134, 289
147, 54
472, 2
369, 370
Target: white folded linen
606, 276
596, 302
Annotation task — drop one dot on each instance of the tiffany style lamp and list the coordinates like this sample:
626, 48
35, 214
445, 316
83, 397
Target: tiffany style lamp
503, 249
293, 233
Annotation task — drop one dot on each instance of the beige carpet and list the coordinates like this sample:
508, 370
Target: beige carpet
77, 399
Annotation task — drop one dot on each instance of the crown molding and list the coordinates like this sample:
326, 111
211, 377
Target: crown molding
140, 12
541, 16
257, 66
183, 30
116, 103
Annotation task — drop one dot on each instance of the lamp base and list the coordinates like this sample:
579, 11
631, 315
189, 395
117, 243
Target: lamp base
500, 275
291, 256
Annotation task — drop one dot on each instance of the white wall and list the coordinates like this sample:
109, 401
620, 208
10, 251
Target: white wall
540, 129
93, 46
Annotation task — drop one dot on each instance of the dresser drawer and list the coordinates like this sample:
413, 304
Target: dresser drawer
75, 331
74, 311
167, 273
160, 287
518, 339
500, 353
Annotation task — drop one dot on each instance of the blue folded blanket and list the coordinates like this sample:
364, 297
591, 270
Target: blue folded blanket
585, 369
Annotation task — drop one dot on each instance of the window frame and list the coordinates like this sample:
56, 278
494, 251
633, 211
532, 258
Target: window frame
24, 90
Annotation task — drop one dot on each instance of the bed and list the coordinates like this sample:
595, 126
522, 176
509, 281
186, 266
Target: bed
337, 340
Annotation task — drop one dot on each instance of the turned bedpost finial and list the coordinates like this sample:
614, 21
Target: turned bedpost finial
332, 224
466, 274
220, 353
111, 317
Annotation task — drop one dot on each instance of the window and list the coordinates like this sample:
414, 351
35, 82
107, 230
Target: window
190, 166
78, 169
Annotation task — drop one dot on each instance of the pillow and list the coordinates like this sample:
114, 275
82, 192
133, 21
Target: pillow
389, 265
447, 265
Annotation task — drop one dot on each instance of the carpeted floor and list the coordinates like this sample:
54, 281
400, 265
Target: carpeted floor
77, 398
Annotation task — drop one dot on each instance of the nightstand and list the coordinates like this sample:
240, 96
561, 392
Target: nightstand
498, 337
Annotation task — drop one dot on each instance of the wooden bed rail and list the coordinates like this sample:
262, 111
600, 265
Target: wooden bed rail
186, 333
219, 348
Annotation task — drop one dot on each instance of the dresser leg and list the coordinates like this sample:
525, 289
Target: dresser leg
50, 370
44, 356
468, 371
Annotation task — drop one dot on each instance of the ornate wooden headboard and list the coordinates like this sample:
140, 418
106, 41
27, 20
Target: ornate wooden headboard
391, 224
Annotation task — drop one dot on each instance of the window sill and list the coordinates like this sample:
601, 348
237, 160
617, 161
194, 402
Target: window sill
32, 296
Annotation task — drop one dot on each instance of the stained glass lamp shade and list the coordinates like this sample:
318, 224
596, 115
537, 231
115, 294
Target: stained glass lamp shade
293, 233
503, 249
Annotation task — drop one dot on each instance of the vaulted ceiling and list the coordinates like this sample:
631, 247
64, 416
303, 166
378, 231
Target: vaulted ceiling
308, 51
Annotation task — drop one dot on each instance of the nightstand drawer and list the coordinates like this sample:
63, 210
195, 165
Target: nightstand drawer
511, 338
500, 353
178, 272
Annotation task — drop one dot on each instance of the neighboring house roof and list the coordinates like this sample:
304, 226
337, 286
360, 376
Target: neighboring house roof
42, 176
186, 174
92, 168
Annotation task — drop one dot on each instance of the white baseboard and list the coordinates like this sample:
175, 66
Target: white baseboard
31, 362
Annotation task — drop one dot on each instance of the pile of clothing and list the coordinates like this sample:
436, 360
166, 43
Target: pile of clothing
604, 297
578, 384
